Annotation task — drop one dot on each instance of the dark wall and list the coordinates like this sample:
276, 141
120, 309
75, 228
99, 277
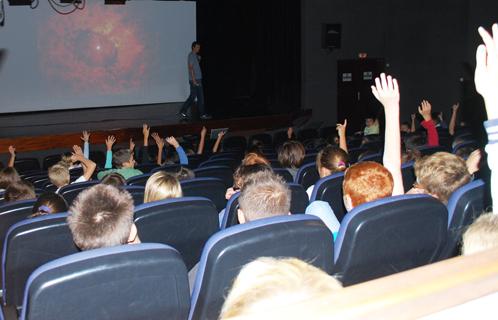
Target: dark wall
251, 56
428, 46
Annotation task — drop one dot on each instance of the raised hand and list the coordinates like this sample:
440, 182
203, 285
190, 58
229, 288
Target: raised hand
425, 110
109, 142
221, 134
132, 144
454, 108
159, 141
12, 150
413, 116
386, 91
145, 130
341, 128
85, 136
290, 131
203, 131
486, 75
77, 150
172, 141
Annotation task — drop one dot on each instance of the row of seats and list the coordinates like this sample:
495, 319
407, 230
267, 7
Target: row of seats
375, 239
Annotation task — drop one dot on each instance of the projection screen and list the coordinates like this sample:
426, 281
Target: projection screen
103, 55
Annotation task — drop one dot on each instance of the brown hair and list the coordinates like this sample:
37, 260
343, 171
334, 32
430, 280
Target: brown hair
49, 203
291, 154
244, 173
333, 159
20, 190
7, 176
266, 196
254, 158
101, 216
59, 175
367, 181
120, 157
162, 185
114, 179
441, 173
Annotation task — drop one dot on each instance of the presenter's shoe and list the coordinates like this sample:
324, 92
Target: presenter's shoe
183, 115
206, 117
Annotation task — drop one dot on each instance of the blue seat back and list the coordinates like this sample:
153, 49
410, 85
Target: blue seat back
285, 174
307, 175
389, 235
299, 198
212, 188
230, 217
184, 223
26, 165
30, 244
140, 180
224, 173
137, 192
429, 150
408, 175
464, 206
171, 168
377, 157
140, 281
301, 236
71, 191
329, 189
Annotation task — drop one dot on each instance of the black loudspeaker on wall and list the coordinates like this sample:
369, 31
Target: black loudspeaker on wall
331, 36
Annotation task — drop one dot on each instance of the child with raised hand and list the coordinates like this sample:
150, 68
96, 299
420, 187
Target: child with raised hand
425, 110
486, 80
122, 160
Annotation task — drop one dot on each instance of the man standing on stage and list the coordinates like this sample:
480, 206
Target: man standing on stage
195, 80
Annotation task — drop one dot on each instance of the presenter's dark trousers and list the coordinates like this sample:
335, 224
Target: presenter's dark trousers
196, 91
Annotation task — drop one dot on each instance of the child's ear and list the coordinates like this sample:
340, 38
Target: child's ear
348, 202
240, 215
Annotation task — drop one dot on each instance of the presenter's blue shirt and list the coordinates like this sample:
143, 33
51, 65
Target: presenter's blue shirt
193, 59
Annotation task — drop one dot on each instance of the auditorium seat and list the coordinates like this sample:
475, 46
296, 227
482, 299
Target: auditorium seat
464, 206
428, 150
221, 172
354, 153
237, 156
137, 193
230, 217
389, 235
234, 143
307, 175
329, 189
299, 198
466, 144
184, 223
146, 167
98, 157
139, 281
170, 168
284, 174
408, 175
26, 165
50, 160
264, 138
309, 158
28, 245
71, 191
140, 180
224, 162
212, 188
376, 157
301, 236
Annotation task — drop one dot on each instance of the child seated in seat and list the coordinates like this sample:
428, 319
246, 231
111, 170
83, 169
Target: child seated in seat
102, 216
291, 156
160, 186
59, 173
19, 190
49, 203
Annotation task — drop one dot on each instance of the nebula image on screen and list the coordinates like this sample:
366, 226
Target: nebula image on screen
100, 49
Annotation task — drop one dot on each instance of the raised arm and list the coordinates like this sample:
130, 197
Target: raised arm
202, 141
181, 153
486, 80
12, 159
425, 110
85, 137
160, 147
218, 141
145, 148
341, 131
109, 142
87, 164
452, 125
413, 128
387, 92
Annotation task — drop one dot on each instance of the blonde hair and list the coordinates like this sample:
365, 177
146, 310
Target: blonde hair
268, 283
481, 235
59, 175
441, 173
162, 185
